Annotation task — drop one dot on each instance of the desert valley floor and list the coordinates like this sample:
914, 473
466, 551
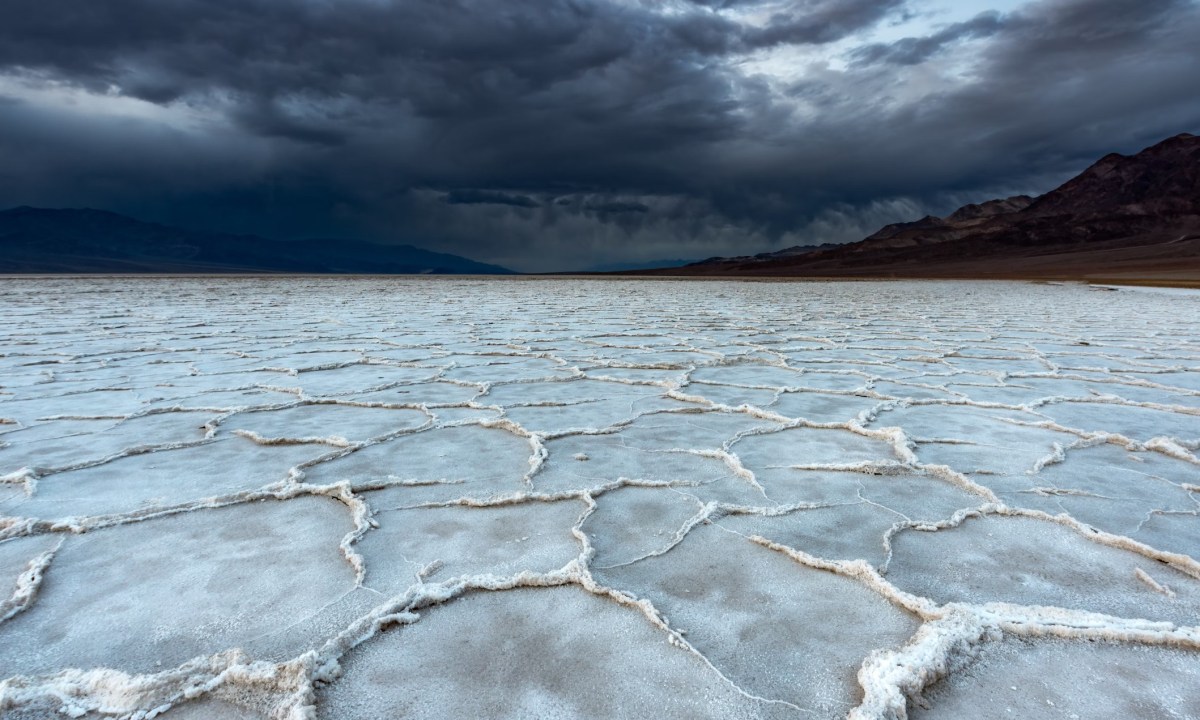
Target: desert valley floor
431, 498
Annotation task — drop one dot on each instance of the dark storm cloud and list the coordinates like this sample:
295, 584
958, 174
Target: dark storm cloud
617, 206
441, 59
537, 133
813, 22
488, 197
820, 21
1058, 85
914, 50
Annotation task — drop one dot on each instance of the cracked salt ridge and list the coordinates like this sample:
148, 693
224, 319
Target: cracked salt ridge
418, 544
1029, 558
1110, 681
1141, 495
559, 652
58, 445
758, 617
272, 574
159, 478
327, 422
16, 561
745, 479
488, 457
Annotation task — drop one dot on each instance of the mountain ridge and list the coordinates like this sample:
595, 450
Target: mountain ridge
1123, 214
87, 240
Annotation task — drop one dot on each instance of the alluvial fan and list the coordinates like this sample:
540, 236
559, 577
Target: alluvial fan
363, 498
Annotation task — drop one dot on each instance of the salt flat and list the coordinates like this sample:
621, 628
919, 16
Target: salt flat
434, 497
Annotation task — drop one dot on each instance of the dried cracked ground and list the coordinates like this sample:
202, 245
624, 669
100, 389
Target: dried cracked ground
366, 498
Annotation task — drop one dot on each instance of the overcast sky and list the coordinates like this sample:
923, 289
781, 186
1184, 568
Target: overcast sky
565, 134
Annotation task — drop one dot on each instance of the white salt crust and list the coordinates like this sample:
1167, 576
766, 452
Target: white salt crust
259, 497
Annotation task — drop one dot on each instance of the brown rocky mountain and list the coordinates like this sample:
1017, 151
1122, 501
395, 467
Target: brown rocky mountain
1129, 217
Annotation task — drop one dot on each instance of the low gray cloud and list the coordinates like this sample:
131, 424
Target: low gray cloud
619, 206
915, 50
569, 133
489, 197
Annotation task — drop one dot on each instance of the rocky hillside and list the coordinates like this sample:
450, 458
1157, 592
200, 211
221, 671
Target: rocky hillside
1124, 215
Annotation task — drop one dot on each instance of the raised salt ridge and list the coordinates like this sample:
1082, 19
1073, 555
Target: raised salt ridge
294, 499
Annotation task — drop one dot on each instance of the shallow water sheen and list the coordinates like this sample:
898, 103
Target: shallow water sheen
437, 497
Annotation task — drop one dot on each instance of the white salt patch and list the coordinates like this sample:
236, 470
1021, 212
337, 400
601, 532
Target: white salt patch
725, 557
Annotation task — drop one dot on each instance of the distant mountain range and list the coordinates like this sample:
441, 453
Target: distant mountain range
36, 240
1125, 216
638, 265
1134, 217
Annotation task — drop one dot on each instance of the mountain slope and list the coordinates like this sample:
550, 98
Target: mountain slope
37, 240
1124, 215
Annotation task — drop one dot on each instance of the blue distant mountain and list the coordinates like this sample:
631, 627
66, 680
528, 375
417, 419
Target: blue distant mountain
37, 240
